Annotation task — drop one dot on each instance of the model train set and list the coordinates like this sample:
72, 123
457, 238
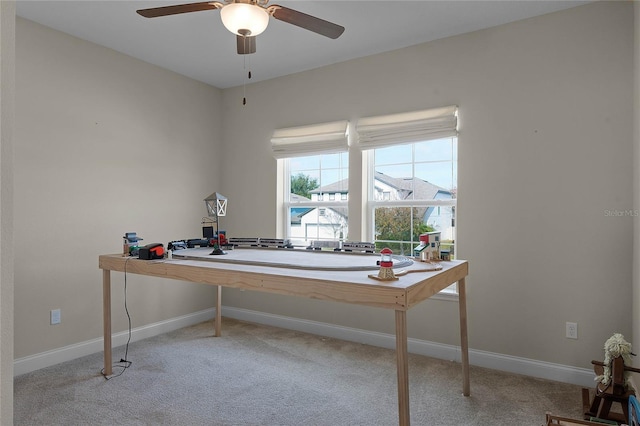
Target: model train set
429, 249
200, 249
259, 242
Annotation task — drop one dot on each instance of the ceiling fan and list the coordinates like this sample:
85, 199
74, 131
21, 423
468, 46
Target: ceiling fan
248, 18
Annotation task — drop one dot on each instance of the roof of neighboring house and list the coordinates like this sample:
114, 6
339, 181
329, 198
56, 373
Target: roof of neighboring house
296, 197
336, 187
341, 211
298, 212
422, 189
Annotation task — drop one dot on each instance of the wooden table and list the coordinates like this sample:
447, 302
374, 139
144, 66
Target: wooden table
245, 269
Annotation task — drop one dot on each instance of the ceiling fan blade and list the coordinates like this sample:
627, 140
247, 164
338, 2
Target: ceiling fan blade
246, 44
178, 8
308, 22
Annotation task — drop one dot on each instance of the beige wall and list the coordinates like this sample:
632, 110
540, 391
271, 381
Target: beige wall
545, 148
7, 92
546, 142
105, 144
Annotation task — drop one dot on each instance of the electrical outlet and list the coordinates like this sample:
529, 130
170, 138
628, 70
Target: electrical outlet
572, 330
55, 316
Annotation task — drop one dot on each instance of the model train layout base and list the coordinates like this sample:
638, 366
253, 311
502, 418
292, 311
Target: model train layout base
295, 259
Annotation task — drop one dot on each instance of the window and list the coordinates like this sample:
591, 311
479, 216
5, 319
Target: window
412, 168
315, 162
310, 217
413, 191
407, 186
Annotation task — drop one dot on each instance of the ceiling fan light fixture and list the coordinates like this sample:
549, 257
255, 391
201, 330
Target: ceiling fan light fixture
242, 17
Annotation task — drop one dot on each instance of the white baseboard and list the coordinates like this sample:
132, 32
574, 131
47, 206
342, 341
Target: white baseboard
511, 364
495, 361
68, 353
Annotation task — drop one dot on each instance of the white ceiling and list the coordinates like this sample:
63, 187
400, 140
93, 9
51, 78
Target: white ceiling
198, 46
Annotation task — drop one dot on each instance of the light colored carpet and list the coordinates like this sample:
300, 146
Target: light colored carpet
260, 375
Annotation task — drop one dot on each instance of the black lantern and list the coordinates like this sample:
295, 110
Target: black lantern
216, 207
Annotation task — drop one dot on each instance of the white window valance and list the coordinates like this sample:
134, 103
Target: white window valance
407, 127
310, 140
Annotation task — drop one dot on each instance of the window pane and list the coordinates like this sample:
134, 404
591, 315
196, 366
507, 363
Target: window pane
333, 181
335, 161
440, 174
305, 163
419, 173
399, 228
393, 228
318, 178
303, 184
311, 177
393, 154
437, 150
308, 224
391, 184
396, 170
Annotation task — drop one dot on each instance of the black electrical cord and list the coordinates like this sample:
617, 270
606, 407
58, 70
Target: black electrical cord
124, 363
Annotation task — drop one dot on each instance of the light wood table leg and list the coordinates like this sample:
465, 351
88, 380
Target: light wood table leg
218, 324
106, 320
403, 368
464, 345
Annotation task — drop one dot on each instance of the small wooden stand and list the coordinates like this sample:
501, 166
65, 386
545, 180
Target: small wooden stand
606, 395
391, 276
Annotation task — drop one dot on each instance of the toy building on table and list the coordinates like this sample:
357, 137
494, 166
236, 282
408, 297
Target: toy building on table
429, 247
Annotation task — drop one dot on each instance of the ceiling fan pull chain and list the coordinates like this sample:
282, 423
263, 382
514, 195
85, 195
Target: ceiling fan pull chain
244, 84
244, 81
249, 66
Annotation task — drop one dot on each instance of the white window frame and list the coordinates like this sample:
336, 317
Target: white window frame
373, 132
288, 204
372, 204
